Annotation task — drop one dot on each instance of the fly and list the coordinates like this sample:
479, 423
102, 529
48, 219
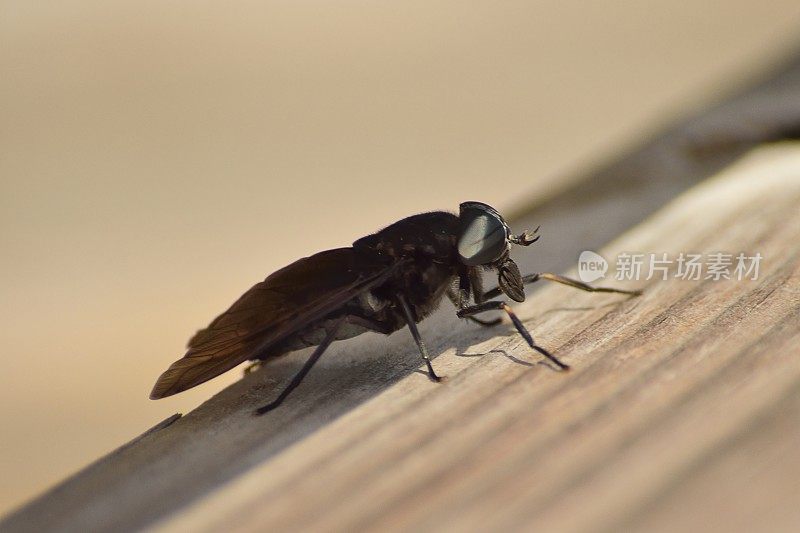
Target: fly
382, 283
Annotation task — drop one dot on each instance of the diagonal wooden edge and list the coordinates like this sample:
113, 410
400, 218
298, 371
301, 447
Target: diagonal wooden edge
663, 386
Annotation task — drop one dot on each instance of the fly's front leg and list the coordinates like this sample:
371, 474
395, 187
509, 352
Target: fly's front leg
497, 305
485, 323
457, 297
532, 278
412, 325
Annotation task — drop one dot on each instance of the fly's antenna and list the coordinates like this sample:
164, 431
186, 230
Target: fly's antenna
526, 238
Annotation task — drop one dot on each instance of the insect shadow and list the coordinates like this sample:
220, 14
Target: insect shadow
501, 351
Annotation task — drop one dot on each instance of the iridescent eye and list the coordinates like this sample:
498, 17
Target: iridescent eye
484, 234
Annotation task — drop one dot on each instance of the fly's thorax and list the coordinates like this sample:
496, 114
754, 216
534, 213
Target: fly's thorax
428, 236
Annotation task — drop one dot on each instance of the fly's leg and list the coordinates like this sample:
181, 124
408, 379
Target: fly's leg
329, 338
412, 325
457, 300
532, 278
484, 323
497, 305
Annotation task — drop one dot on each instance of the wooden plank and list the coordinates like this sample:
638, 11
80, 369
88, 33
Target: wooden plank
184, 459
669, 394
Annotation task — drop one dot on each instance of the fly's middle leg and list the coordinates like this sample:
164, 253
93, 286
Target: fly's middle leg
412, 325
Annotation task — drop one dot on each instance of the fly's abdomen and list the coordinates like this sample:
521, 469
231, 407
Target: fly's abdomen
313, 335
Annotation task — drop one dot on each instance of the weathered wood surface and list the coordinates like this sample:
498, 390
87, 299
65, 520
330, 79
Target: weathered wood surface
682, 409
208, 467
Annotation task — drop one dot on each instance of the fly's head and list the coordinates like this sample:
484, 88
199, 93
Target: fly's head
485, 241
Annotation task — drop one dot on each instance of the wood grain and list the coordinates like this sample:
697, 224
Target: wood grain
682, 408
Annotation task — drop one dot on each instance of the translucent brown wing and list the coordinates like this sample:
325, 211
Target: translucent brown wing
287, 300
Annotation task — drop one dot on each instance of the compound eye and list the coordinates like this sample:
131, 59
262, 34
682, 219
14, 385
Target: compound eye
484, 235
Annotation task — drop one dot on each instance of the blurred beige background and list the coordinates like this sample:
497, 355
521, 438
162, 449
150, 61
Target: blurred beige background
157, 158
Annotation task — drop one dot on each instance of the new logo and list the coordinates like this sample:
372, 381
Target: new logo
591, 266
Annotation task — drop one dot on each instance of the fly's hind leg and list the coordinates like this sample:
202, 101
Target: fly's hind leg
298, 378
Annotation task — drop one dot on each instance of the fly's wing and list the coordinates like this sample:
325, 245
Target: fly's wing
287, 300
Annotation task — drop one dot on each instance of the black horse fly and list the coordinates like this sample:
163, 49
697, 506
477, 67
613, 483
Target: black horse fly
385, 281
